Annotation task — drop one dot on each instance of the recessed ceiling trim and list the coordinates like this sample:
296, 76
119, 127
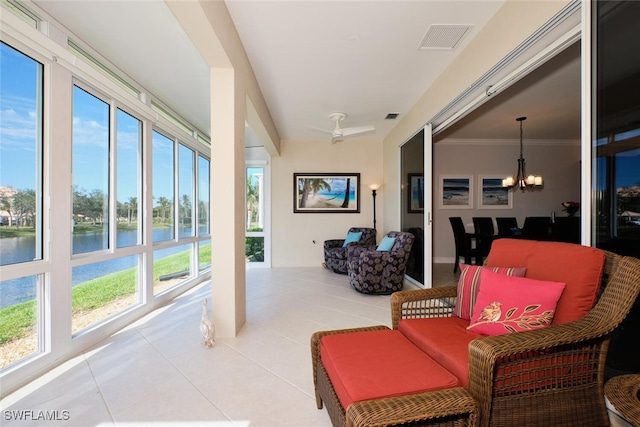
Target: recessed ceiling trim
443, 37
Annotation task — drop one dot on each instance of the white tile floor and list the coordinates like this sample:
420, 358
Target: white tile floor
157, 372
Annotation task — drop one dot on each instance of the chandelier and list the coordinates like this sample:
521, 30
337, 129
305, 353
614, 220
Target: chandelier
522, 180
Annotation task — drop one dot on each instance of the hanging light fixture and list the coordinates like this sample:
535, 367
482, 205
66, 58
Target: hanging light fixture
522, 180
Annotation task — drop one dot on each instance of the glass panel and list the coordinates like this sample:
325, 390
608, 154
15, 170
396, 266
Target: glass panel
255, 199
203, 196
204, 255
129, 176
412, 155
254, 248
90, 172
20, 152
186, 190
102, 289
171, 266
18, 319
617, 137
163, 187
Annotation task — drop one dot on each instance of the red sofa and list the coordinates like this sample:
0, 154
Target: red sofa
547, 374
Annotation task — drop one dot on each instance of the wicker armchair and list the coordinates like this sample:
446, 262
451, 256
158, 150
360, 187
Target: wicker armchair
335, 255
546, 377
550, 376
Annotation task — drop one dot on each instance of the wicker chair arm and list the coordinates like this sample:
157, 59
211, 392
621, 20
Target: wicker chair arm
449, 403
422, 303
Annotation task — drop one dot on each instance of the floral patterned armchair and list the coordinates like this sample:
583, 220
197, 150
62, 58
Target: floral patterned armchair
380, 272
335, 255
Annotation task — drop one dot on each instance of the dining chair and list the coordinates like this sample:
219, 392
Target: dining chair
484, 235
506, 226
463, 243
536, 228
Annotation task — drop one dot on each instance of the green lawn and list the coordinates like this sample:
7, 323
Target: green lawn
17, 320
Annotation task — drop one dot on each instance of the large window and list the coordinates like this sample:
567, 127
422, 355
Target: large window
617, 142
163, 187
254, 241
21, 88
186, 185
104, 284
92, 200
90, 172
129, 178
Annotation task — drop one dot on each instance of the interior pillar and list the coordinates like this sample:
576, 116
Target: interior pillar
227, 203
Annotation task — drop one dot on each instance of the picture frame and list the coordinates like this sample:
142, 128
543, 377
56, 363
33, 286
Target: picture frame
456, 192
491, 193
325, 192
415, 195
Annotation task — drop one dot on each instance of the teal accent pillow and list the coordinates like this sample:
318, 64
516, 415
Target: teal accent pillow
386, 244
352, 236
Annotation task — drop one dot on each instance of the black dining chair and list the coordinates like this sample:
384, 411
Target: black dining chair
507, 226
537, 228
484, 234
463, 243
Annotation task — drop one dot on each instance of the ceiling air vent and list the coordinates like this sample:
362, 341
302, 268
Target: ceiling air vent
392, 116
443, 37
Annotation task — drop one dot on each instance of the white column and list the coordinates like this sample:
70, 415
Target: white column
227, 203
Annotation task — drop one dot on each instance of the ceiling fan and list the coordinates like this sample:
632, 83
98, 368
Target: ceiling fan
338, 133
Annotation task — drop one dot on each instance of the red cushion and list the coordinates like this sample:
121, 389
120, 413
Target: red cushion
579, 267
468, 286
513, 304
445, 339
377, 364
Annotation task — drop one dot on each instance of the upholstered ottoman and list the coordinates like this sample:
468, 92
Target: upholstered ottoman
364, 374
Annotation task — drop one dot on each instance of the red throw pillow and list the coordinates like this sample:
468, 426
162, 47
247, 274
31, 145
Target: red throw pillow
468, 286
513, 304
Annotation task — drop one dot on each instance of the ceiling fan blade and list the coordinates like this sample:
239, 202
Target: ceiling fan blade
357, 130
320, 130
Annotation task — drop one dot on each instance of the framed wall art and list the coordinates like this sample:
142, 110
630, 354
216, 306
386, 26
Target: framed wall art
491, 193
326, 192
416, 193
456, 192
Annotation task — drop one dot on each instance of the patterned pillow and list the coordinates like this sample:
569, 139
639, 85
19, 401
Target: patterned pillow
513, 304
468, 286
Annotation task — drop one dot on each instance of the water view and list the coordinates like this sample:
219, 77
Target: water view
21, 249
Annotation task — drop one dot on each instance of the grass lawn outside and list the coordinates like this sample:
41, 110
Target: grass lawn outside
19, 320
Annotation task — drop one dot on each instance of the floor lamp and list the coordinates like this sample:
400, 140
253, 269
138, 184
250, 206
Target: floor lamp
374, 188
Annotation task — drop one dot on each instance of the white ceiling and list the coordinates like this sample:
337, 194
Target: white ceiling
312, 58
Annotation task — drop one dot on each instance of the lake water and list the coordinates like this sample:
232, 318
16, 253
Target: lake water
22, 249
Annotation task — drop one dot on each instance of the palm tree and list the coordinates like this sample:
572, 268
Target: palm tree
163, 204
132, 207
347, 190
252, 200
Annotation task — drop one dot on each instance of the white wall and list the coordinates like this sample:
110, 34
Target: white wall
557, 161
513, 23
293, 235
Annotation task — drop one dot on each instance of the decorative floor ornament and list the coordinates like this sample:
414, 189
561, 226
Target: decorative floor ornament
207, 328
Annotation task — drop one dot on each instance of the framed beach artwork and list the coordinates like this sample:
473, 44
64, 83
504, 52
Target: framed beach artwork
326, 193
492, 195
456, 192
416, 192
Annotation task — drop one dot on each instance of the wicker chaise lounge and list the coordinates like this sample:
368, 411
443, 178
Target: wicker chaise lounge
546, 377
